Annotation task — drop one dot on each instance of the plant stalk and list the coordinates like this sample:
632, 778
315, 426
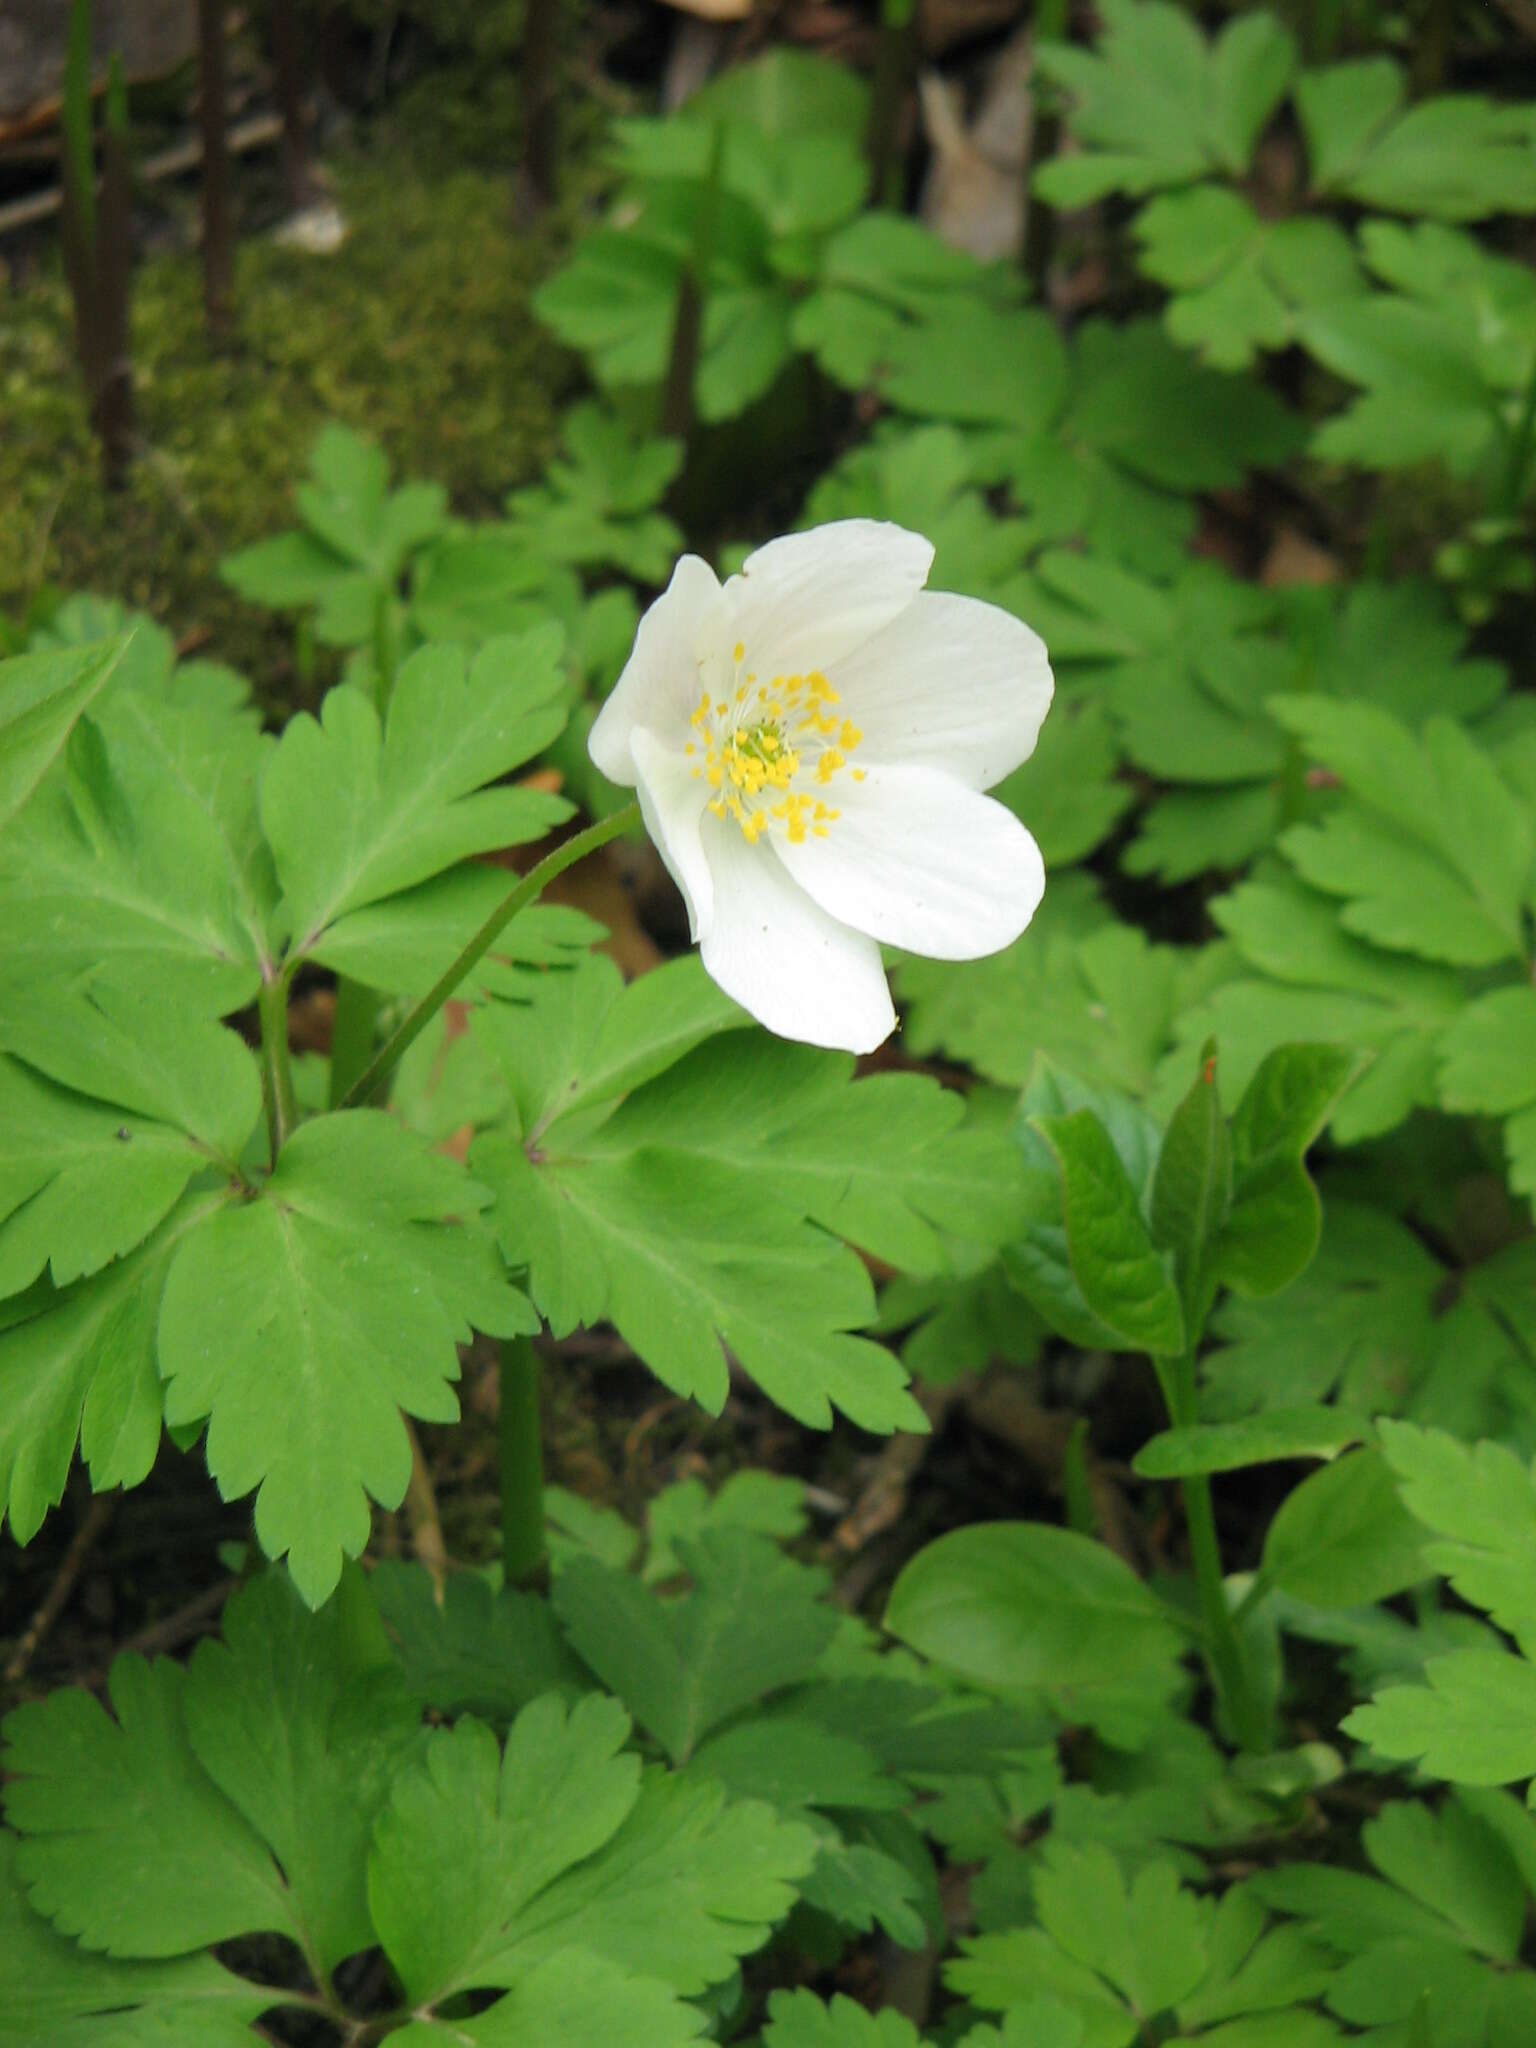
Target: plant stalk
218, 242
522, 1464
371, 1082
276, 1067
1224, 1648
677, 402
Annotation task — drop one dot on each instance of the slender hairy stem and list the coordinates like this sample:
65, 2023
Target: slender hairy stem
370, 1083
276, 1069
1224, 1649
354, 1028
522, 1464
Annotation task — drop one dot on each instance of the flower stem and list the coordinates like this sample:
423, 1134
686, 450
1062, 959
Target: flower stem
1224, 1650
522, 1464
371, 1081
276, 1068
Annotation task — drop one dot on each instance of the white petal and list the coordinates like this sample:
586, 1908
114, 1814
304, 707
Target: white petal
808, 600
919, 860
672, 804
797, 970
686, 626
953, 684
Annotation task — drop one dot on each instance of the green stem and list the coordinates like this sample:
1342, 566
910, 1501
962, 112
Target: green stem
371, 1082
677, 399
276, 1068
1224, 1648
354, 1029
522, 1464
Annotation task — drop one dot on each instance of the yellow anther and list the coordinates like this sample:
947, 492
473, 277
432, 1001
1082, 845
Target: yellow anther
850, 735
739, 652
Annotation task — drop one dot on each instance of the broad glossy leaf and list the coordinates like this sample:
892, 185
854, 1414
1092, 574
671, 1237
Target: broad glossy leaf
1124, 1279
1019, 1605
1315, 1431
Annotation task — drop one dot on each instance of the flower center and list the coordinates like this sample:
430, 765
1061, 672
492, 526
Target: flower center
766, 749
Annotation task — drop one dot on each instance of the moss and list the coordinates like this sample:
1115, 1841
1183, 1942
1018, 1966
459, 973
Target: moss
418, 331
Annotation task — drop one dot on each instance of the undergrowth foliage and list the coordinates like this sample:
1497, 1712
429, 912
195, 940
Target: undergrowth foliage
1244, 1123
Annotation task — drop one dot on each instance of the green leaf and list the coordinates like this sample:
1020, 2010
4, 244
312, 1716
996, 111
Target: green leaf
473, 1835
68, 1997
1343, 1537
122, 870
1095, 997
1107, 1951
354, 817
126, 1842
1125, 1281
303, 1322
131, 1048
595, 506
795, 1764
1018, 1605
1488, 1065
1272, 1229
658, 1217
80, 1183
1488, 1055
1311, 1431
1473, 1722
485, 1866
1435, 855
1066, 792
1159, 104
614, 301
764, 1503
1456, 157
303, 1722
1315, 981
41, 698
751, 1625
1192, 1190
579, 2000
798, 2019
1239, 283
788, 92
1481, 1500
1443, 355
480, 1651
81, 1364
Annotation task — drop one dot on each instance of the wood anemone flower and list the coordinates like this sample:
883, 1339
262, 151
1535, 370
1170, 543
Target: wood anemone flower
809, 742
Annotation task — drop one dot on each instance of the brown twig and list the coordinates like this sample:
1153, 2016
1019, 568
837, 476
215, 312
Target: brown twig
96, 1517
421, 1513
218, 241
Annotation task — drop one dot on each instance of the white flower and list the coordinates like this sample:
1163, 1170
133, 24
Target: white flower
809, 743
